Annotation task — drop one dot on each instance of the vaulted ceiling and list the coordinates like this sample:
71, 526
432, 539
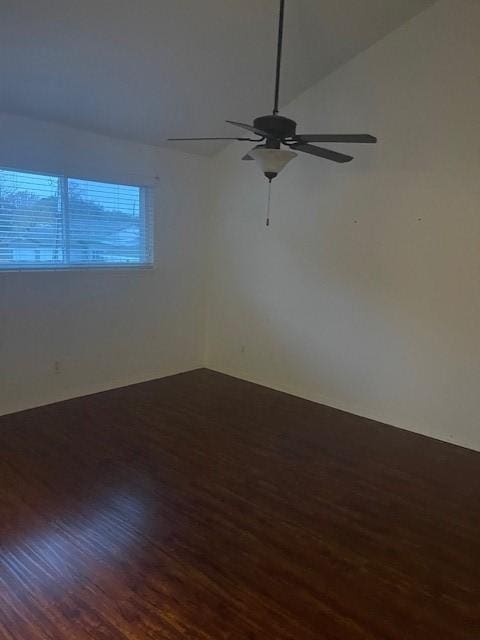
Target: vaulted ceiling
149, 69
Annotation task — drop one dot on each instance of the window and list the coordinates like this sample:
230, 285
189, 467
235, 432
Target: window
51, 221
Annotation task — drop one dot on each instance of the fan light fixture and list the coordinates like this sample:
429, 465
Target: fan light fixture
272, 161
273, 131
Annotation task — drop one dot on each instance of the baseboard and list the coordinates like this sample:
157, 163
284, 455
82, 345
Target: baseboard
342, 406
87, 390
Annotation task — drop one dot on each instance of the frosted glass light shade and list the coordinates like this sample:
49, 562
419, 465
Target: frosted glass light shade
272, 161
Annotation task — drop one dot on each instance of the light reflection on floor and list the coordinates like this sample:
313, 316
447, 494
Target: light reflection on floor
70, 547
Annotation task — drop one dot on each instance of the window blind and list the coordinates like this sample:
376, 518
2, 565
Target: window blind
49, 221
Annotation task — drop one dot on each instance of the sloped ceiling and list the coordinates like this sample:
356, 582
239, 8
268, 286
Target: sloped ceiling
149, 69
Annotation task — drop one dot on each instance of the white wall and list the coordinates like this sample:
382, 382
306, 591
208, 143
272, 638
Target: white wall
364, 293
105, 328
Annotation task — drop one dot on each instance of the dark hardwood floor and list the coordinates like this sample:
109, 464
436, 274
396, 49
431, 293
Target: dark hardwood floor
203, 507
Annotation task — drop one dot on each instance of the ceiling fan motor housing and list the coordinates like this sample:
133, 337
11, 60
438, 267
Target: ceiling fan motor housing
278, 126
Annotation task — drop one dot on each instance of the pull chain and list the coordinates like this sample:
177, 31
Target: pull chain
267, 222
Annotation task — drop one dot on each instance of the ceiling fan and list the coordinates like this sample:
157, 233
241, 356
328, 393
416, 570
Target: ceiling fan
274, 130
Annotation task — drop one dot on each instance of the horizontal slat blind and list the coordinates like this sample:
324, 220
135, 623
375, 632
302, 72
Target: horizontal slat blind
31, 224
54, 221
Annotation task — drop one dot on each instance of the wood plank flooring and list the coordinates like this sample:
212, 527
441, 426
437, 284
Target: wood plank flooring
202, 507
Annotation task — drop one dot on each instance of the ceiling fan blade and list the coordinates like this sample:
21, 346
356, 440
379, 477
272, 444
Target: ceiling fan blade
247, 157
336, 137
320, 152
193, 139
259, 132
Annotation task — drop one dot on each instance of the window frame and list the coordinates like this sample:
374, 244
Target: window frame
147, 228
